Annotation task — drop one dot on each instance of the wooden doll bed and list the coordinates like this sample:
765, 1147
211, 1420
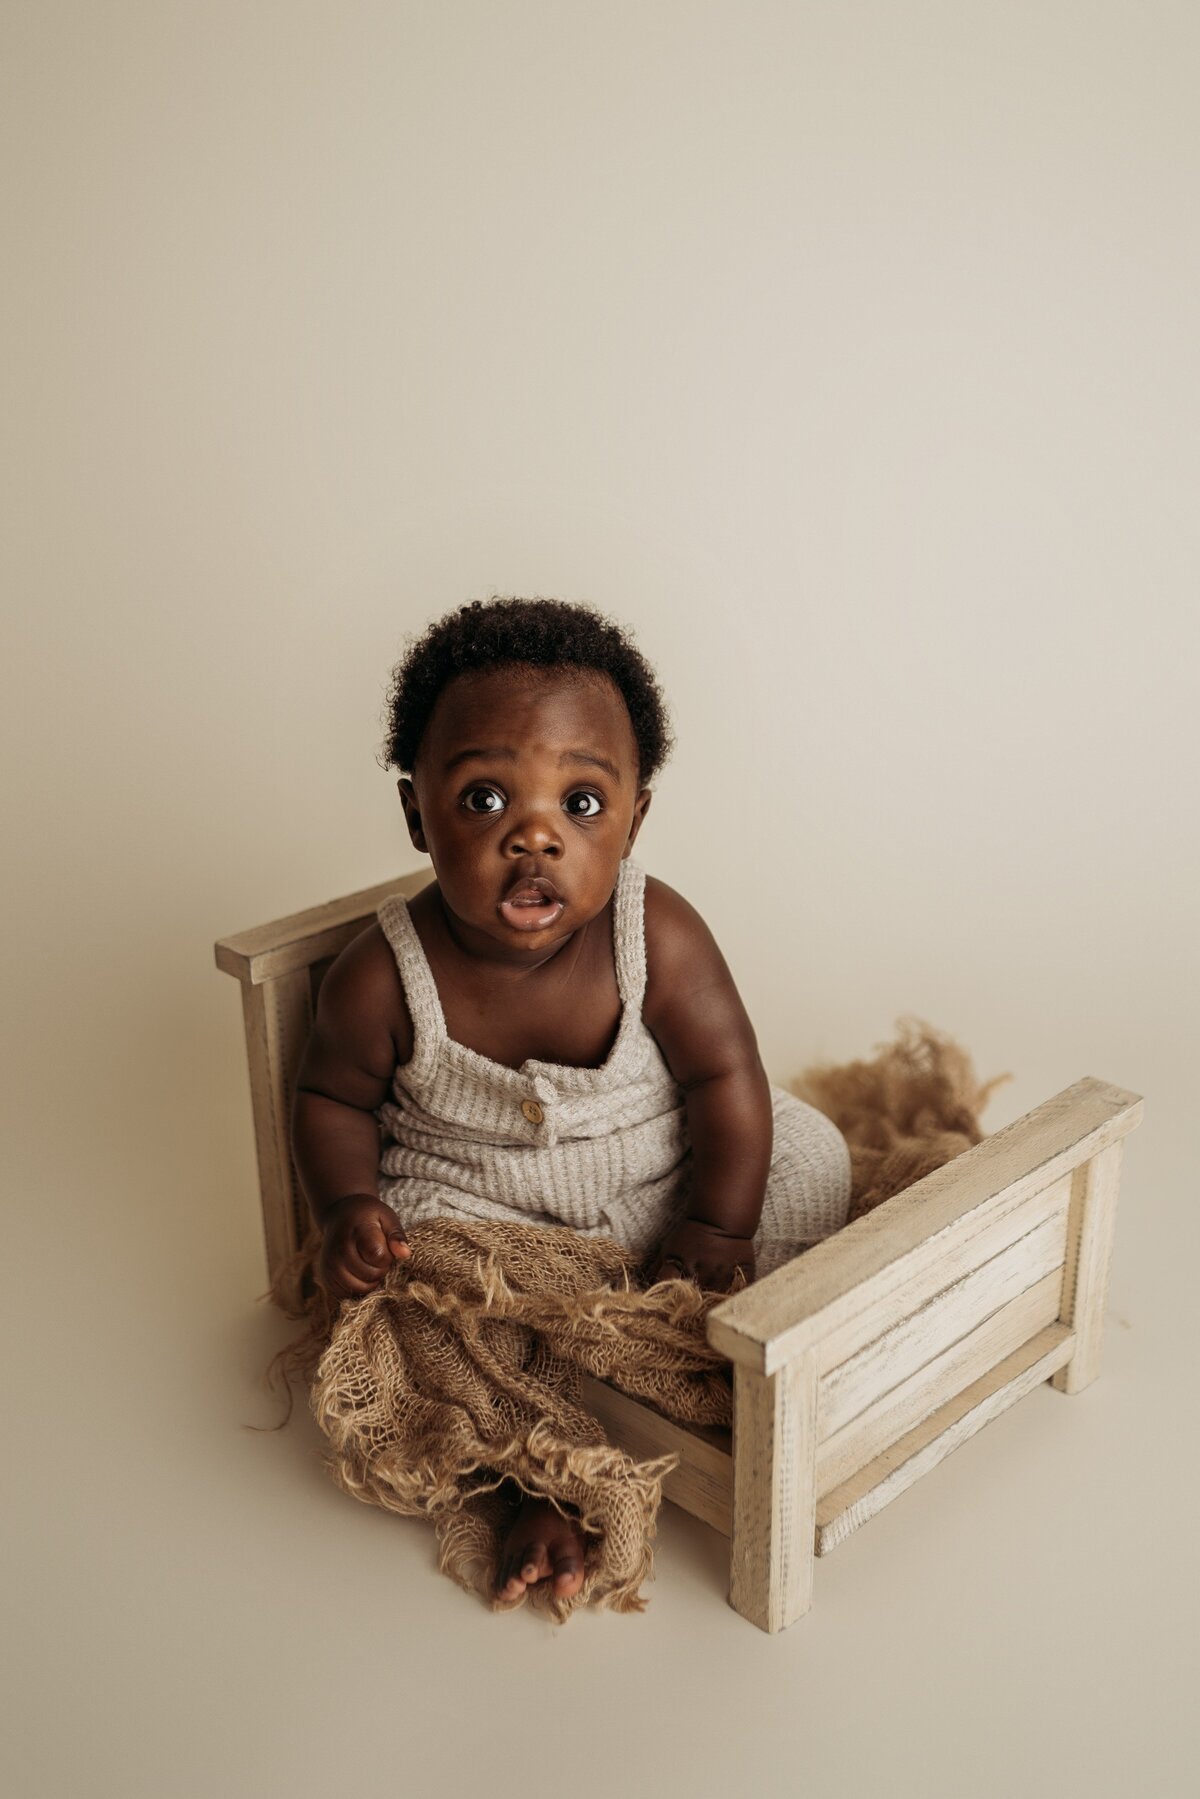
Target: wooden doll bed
856, 1368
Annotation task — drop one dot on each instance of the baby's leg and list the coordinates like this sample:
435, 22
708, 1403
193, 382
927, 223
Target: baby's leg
808, 1188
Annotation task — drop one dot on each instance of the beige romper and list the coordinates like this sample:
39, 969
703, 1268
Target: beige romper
604, 1150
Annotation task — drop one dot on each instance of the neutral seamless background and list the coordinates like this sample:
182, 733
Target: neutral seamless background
847, 353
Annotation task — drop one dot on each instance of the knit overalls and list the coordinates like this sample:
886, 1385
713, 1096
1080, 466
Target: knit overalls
604, 1150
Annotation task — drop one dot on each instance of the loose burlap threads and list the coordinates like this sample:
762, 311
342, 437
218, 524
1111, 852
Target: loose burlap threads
457, 1382
913, 1106
463, 1370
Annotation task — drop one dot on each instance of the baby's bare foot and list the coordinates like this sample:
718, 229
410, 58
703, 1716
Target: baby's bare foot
541, 1545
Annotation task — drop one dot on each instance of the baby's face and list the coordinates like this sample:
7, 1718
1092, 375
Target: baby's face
525, 776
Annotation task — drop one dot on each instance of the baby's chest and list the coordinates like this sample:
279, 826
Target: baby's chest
573, 1022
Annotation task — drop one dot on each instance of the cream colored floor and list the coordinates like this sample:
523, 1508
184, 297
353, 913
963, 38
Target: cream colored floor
194, 1610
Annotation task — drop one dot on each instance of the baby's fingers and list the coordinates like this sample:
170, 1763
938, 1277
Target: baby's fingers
722, 1277
346, 1277
373, 1251
384, 1234
344, 1285
357, 1271
371, 1247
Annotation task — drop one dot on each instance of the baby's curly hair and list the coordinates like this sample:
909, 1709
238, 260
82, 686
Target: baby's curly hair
535, 633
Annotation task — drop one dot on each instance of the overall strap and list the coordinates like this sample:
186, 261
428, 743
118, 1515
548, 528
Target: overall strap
420, 988
629, 935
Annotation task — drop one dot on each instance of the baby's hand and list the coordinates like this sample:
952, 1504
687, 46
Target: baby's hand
702, 1253
363, 1238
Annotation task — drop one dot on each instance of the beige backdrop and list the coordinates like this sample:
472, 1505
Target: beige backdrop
847, 353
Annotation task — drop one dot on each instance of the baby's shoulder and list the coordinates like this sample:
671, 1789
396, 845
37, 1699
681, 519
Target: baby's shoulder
361, 999
669, 918
680, 948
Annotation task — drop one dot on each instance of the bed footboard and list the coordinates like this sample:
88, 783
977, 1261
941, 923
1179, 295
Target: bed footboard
864, 1363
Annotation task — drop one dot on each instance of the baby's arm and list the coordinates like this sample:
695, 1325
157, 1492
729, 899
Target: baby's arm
360, 1033
693, 1010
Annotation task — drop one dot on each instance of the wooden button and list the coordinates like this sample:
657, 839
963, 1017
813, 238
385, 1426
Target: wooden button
532, 1110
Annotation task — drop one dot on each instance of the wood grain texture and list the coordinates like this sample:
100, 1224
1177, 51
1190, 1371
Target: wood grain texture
302, 938
863, 1265
774, 1493
842, 1511
278, 1017
1093, 1225
904, 1406
703, 1481
962, 1251
912, 1341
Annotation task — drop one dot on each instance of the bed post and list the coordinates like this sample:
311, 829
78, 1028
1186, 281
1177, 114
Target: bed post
277, 1014
1090, 1229
280, 967
774, 1491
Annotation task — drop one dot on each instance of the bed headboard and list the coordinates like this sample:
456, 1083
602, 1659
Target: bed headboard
280, 967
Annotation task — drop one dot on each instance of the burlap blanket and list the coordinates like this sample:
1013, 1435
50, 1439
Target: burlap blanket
456, 1385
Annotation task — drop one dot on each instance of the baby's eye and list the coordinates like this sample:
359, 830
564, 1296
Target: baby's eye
592, 799
487, 793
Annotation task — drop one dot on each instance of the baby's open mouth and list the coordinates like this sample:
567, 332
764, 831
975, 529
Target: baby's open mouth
532, 904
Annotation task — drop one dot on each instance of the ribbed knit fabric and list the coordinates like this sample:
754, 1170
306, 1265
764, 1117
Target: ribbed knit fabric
604, 1150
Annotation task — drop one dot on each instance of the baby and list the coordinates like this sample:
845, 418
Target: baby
545, 1032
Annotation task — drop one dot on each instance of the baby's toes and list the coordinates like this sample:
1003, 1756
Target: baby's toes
521, 1568
509, 1586
533, 1563
568, 1571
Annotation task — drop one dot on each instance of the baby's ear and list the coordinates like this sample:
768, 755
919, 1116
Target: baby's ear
412, 813
640, 808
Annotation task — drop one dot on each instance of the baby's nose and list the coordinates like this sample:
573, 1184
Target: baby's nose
534, 834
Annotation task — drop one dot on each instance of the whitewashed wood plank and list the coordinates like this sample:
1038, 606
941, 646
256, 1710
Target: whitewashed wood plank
963, 1250
905, 1461
702, 1483
774, 1526
911, 1342
900, 1410
1089, 1256
302, 938
278, 1017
